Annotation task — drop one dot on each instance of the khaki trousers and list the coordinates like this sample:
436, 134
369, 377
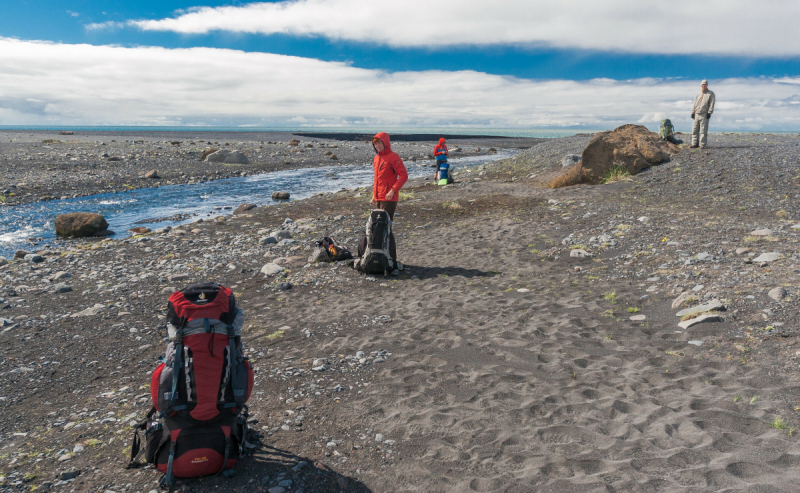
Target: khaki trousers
700, 130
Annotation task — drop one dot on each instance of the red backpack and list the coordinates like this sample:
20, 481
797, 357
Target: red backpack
200, 390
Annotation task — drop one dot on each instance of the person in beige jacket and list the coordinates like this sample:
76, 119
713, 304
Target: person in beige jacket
701, 112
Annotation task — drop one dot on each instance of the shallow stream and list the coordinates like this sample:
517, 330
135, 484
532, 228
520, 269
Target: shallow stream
31, 226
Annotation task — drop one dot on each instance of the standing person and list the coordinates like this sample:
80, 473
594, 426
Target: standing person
701, 112
390, 176
440, 153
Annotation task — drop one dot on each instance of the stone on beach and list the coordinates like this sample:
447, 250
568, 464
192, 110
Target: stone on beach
78, 224
207, 152
139, 230
708, 307
280, 195
777, 294
631, 147
90, 312
768, 257
709, 317
152, 174
271, 269
228, 157
570, 160
579, 253
761, 232
244, 208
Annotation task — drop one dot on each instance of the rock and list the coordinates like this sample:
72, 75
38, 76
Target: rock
280, 195
20, 254
705, 256
638, 318
761, 232
281, 234
319, 255
631, 147
66, 132
579, 253
61, 288
768, 257
696, 343
643, 219
152, 174
269, 240
140, 230
698, 320
708, 307
78, 448
4, 322
244, 208
90, 312
777, 294
680, 300
333, 157
217, 156
178, 277
236, 157
277, 489
570, 160
3, 261
69, 474
207, 152
271, 269
60, 275
698, 287
284, 286
523, 290
33, 258
294, 142
80, 224
740, 251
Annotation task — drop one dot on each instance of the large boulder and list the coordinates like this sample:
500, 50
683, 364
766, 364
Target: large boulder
629, 147
244, 208
206, 153
81, 224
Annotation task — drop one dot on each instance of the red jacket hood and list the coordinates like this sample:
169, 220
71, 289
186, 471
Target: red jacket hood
441, 141
385, 139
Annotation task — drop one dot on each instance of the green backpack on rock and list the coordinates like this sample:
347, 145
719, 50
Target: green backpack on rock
666, 129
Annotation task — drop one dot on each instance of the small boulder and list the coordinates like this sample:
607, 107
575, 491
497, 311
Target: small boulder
319, 255
80, 224
244, 208
207, 152
217, 156
271, 269
761, 232
33, 258
768, 257
579, 253
3, 261
20, 254
152, 174
236, 157
66, 132
294, 142
140, 230
280, 195
333, 157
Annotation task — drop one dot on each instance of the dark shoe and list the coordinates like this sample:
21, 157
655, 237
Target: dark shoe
693, 147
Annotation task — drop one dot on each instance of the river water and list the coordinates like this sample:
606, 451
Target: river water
124, 210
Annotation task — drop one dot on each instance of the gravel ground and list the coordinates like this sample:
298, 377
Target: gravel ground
360, 385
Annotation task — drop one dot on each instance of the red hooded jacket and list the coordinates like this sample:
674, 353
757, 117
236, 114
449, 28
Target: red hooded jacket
441, 148
390, 172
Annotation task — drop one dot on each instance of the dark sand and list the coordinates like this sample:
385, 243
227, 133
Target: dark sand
510, 366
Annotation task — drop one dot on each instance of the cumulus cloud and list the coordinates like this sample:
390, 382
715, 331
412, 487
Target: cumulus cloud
48, 83
714, 27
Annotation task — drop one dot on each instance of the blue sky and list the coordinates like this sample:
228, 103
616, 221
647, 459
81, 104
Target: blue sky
581, 52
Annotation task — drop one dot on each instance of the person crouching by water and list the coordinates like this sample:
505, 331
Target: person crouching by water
390, 176
440, 153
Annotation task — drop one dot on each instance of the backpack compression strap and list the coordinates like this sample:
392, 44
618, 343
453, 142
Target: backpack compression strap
177, 364
168, 481
233, 362
136, 449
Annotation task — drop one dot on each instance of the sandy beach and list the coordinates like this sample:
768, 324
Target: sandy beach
498, 361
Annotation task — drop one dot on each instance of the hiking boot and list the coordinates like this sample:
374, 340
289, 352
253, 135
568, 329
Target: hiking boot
395, 273
400, 266
693, 146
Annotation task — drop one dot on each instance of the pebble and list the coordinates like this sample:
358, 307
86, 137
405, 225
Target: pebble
705, 256
698, 287
696, 343
777, 294
78, 448
523, 290
708, 307
277, 489
761, 232
638, 318
579, 253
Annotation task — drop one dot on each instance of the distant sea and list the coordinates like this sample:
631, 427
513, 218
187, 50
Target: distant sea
541, 133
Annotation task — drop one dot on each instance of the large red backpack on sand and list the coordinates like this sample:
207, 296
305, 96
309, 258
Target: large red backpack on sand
201, 388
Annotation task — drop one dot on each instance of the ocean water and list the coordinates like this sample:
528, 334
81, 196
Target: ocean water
202, 200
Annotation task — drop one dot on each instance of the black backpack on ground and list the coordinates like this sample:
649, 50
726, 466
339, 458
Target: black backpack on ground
374, 249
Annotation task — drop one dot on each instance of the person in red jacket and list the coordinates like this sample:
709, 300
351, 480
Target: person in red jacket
390, 176
440, 153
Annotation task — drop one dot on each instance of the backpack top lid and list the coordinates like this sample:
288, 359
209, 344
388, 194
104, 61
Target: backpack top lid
665, 122
190, 307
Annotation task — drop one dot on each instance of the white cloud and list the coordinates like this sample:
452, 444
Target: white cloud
737, 27
50, 83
